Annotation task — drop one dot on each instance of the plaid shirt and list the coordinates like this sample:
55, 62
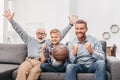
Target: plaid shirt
49, 56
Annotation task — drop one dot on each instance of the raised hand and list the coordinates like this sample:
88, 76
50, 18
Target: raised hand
89, 48
8, 14
73, 19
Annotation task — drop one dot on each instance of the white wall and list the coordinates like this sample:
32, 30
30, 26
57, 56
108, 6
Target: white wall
1, 20
31, 14
100, 15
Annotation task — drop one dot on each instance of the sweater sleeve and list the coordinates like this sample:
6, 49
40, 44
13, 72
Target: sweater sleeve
24, 36
65, 31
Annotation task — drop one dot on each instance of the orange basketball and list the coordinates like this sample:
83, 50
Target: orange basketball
60, 52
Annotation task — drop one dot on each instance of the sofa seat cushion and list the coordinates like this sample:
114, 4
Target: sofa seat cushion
44, 76
6, 70
14, 75
80, 76
49, 76
12, 53
60, 76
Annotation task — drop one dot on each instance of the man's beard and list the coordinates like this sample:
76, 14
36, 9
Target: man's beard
82, 37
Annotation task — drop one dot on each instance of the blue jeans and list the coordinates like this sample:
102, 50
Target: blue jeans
97, 67
46, 67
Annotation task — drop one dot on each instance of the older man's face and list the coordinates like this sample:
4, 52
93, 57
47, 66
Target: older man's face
40, 34
80, 30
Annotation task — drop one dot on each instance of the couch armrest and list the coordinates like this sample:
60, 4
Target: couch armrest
113, 64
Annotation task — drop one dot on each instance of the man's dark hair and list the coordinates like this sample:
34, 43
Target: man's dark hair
81, 22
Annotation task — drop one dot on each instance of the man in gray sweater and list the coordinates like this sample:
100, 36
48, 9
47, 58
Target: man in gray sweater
30, 68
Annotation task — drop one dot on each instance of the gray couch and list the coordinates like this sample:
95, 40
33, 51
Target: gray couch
12, 55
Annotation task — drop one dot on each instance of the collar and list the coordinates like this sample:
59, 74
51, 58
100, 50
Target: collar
86, 40
51, 45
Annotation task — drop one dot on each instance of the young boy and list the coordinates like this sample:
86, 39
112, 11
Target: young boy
50, 64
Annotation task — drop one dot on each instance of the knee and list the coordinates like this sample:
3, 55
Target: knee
70, 67
66, 63
42, 66
21, 68
101, 64
33, 70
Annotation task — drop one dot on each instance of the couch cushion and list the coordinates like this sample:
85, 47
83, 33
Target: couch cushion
49, 76
44, 76
80, 76
60, 76
6, 71
12, 53
85, 76
14, 75
104, 46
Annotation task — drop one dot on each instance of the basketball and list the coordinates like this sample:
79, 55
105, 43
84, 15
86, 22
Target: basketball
60, 52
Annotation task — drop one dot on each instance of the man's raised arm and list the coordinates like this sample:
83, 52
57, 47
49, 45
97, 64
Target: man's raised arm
9, 15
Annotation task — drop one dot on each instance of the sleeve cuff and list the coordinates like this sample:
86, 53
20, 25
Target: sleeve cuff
70, 24
11, 21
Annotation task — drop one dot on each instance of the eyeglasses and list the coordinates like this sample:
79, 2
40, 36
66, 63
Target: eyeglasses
42, 34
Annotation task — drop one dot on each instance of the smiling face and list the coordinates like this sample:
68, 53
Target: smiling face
55, 36
41, 34
80, 30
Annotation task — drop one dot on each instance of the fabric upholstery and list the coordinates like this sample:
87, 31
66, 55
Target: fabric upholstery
16, 53
12, 53
114, 67
104, 46
60, 76
6, 71
49, 76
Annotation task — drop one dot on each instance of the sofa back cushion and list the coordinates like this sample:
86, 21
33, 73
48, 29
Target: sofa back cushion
12, 53
104, 46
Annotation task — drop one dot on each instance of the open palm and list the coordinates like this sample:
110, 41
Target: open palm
73, 19
8, 14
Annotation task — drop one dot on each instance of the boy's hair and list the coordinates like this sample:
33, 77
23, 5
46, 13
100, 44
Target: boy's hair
81, 22
55, 31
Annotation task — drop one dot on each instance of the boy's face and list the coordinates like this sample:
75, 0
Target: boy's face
55, 38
